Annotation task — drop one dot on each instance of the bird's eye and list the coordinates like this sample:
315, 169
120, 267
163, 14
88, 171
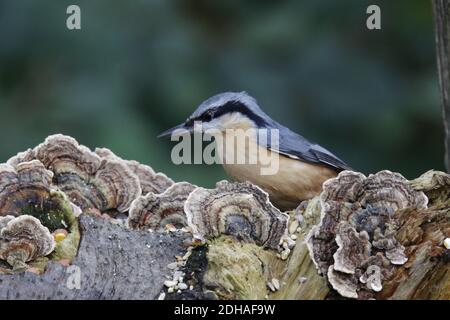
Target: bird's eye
207, 116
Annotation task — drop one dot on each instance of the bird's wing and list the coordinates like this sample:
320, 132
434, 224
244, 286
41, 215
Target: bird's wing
295, 146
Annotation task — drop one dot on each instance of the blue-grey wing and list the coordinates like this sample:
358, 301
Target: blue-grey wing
294, 145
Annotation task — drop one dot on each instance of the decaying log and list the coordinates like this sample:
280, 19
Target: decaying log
113, 263
78, 224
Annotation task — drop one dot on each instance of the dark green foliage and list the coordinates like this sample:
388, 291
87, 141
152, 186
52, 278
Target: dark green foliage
139, 67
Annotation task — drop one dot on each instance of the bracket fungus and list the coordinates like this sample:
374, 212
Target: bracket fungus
354, 244
23, 186
26, 189
154, 211
89, 180
242, 210
23, 239
150, 181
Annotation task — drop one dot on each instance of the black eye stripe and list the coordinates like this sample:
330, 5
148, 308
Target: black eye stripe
237, 106
229, 107
207, 116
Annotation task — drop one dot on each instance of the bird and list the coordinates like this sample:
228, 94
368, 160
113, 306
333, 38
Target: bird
303, 166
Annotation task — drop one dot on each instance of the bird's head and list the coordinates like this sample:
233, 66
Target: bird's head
229, 110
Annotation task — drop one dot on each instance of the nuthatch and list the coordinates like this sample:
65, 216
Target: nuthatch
302, 166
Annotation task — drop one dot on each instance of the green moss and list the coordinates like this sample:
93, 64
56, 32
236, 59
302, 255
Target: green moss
236, 270
312, 213
53, 210
67, 248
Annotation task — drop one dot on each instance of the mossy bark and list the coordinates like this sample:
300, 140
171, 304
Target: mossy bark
298, 273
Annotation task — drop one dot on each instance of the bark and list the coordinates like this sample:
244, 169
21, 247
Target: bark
441, 10
114, 263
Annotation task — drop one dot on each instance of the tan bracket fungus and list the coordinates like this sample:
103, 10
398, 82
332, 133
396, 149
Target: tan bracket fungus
154, 211
242, 210
27, 190
23, 186
354, 244
23, 239
88, 180
150, 181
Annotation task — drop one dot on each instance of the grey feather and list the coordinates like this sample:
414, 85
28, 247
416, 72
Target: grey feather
292, 143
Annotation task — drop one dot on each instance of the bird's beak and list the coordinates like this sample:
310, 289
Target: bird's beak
178, 130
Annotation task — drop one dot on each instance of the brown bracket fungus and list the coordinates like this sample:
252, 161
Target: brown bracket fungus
24, 156
150, 181
23, 187
88, 180
23, 239
353, 247
242, 210
27, 190
354, 244
154, 211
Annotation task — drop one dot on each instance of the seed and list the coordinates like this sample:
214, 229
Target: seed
285, 254
162, 296
447, 243
170, 283
293, 226
170, 227
291, 242
182, 286
271, 287
276, 283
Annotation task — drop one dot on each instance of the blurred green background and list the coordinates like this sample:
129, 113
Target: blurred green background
139, 67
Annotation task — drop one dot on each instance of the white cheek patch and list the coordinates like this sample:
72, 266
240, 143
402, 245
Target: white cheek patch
237, 141
216, 123
226, 121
